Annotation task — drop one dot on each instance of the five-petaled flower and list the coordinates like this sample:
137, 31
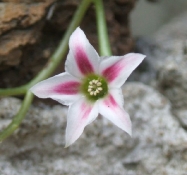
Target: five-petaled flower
90, 85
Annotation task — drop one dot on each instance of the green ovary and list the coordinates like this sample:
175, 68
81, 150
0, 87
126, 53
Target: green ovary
94, 87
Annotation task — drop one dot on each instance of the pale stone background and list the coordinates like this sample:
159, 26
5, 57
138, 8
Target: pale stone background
146, 18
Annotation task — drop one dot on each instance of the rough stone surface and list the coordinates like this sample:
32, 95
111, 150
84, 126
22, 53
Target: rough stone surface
167, 62
20, 25
172, 77
158, 144
172, 72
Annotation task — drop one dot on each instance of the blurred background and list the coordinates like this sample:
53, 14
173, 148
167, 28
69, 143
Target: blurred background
148, 16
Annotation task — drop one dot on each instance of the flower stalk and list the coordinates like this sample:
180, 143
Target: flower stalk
55, 59
104, 44
18, 118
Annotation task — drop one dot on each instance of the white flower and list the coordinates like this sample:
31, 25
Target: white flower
90, 85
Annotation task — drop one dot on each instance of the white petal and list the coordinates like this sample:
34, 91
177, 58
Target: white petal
80, 114
117, 93
82, 58
63, 88
116, 69
111, 110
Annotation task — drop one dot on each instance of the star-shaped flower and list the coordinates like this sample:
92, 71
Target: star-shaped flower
90, 85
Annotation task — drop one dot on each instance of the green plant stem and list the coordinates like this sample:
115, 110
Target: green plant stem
18, 118
56, 58
14, 91
46, 72
104, 45
62, 48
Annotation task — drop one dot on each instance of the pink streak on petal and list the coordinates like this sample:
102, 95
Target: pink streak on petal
67, 88
113, 71
110, 101
86, 110
83, 62
115, 114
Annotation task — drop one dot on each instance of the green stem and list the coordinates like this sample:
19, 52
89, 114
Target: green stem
56, 58
18, 118
14, 91
46, 72
104, 44
62, 48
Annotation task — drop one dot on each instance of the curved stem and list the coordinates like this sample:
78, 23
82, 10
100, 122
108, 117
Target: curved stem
104, 44
62, 48
18, 118
46, 72
56, 58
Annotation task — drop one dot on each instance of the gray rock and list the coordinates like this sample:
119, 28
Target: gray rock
172, 72
167, 57
158, 144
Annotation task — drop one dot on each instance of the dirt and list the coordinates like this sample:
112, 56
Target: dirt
29, 35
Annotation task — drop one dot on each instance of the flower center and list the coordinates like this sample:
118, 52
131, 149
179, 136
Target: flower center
94, 87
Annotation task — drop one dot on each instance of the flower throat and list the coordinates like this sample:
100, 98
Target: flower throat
94, 87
